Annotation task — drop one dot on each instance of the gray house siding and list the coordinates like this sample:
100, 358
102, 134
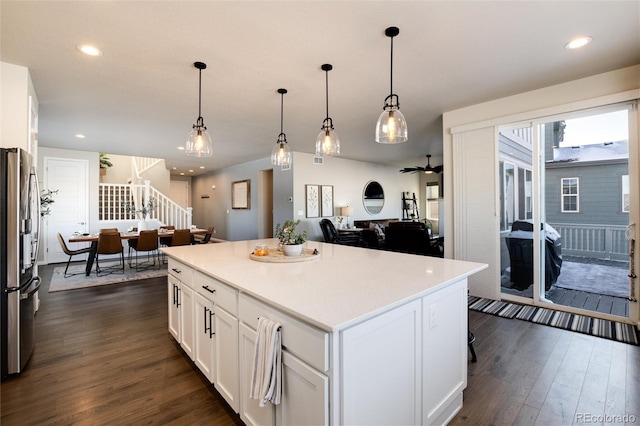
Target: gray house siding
600, 194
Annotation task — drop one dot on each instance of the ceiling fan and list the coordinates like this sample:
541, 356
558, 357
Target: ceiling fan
426, 169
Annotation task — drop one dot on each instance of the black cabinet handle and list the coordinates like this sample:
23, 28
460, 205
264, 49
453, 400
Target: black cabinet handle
211, 332
177, 271
178, 296
206, 287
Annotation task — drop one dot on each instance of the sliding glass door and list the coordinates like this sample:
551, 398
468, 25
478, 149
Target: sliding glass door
565, 188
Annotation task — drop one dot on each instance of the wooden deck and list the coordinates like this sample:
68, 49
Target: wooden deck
590, 301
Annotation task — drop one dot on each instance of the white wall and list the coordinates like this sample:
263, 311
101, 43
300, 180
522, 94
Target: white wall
348, 178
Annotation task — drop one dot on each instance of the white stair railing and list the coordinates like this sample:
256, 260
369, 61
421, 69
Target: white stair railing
142, 164
115, 197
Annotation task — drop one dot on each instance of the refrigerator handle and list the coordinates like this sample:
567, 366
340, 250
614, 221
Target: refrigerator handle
24, 296
38, 217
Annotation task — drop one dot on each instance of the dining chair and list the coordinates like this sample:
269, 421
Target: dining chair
109, 243
166, 241
108, 230
147, 241
71, 253
181, 237
197, 239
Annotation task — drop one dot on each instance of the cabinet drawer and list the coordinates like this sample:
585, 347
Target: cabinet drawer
306, 342
181, 271
217, 292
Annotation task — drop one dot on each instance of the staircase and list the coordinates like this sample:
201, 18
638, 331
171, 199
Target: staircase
114, 197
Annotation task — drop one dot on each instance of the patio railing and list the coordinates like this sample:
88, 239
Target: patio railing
114, 197
595, 241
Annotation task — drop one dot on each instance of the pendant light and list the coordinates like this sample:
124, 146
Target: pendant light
391, 127
199, 143
281, 154
327, 143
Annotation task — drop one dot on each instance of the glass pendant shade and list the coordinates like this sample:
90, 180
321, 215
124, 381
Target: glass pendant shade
327, 142
281, 154
199, 143
391, 127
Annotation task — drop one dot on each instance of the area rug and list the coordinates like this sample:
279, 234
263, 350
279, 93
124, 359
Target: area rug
599, 279
611, 330
60, 283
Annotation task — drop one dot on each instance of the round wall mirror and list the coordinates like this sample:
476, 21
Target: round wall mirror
373, 197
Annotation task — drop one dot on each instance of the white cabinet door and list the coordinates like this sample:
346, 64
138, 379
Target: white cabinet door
204, 337
174, 309
250, 412
383, 354
445, 369
185, 300
226, 357
305, 394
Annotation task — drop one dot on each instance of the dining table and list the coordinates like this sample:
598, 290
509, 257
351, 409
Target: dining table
128, 235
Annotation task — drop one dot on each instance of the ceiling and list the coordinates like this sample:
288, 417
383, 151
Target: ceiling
141, 96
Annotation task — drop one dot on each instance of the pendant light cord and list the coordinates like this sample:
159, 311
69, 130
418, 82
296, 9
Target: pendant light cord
200, 94
327, 90
281, 111
391, 74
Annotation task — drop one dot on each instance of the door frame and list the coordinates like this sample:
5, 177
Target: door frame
47, 243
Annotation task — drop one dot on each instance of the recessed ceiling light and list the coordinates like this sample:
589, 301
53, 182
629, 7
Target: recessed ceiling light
181, 174
191, 171
181, 148
174, 168
89, 50
80, 136
202, 167
577, 43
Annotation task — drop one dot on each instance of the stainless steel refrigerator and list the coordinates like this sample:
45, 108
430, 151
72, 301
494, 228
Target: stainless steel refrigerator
19, 231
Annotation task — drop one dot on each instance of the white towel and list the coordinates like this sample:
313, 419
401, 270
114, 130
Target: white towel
266, 377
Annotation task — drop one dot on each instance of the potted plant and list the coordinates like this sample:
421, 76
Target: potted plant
105, 163
142, 213
46, 199
291, 240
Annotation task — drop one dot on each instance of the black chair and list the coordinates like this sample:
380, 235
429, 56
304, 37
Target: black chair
71, 253
197, 239
332, 236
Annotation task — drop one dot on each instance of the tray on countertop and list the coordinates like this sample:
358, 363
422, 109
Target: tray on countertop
276, 256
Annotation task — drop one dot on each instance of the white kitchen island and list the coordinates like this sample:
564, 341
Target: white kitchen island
369, 337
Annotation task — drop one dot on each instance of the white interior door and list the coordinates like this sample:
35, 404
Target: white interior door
179, 192
69, 212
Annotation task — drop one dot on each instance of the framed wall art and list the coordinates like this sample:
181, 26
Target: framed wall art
326, 196
313, 200
241, 194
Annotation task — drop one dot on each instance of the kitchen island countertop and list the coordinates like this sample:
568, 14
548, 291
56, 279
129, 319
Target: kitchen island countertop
344, 286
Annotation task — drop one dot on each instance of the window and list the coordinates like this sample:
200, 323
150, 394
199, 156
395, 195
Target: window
507, 194
432, 200
570, 195
625, 193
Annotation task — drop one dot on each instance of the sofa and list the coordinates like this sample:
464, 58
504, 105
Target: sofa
373, 231
412, 237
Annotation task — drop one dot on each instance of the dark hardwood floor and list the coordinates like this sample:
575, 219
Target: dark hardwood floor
103, 355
